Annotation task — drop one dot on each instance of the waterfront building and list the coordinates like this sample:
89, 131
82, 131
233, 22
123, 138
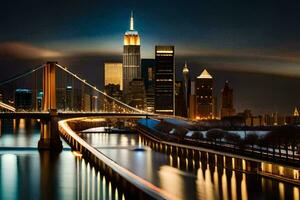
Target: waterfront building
23, 99
113, 74
164, 102
227, 108
148, 69
131, 57
204, 96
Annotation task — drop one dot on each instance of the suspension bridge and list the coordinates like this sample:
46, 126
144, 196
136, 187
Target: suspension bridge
50, 93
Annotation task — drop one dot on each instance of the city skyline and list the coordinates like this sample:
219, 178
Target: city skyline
224, 63
149, 100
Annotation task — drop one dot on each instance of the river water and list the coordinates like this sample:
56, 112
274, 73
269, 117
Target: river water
26, 173
187, 181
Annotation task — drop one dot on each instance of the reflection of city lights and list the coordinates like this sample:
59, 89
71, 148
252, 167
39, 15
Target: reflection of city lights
77, 154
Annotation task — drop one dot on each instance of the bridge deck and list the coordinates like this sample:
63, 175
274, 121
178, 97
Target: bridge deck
64, 115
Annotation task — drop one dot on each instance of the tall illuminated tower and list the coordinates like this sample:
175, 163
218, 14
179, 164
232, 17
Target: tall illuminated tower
164, 102
186, 77
204, 98
131, 56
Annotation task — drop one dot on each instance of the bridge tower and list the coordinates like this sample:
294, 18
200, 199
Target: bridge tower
50, 139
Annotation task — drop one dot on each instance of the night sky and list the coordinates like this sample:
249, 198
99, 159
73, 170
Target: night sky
253, 44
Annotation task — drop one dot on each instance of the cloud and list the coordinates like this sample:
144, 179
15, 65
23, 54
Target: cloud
25, 51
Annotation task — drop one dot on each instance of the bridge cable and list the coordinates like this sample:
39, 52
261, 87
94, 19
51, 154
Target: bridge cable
21, 75
103, 93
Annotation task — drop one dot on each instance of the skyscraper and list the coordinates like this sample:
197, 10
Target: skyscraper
113, 74
69, 97
179, 101
137, 94
227, 101
186, 80
23, 99
164, 80
148, 69
204, 98
131, 56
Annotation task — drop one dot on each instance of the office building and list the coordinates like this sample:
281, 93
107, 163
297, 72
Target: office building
86, 104
137, 94
61, 98
148, 72
204, 96
69, 98
164, 80
23, 99
227, 108
179, 101
113, 91
113, 74
131, 57
94, 103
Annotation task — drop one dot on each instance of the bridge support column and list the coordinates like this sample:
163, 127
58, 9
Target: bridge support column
50, 139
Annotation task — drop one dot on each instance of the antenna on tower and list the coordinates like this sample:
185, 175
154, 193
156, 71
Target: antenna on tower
131, 21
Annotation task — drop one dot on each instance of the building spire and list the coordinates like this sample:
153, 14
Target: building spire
296, 113
185, 68
131, 21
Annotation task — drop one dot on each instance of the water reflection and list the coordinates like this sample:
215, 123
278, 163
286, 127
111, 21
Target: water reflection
19, 133
49, 176
211, 177
30, 174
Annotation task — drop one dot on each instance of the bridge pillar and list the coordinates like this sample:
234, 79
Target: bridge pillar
49, 87
50, 139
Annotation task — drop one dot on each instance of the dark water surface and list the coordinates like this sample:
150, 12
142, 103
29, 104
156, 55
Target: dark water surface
26, 173
186, 179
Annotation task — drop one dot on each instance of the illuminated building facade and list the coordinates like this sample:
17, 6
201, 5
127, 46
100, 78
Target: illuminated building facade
227, 101
137, 94
113, 74
148, 68
131, 57
204, 96
113, 91
296, 113
164, 80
